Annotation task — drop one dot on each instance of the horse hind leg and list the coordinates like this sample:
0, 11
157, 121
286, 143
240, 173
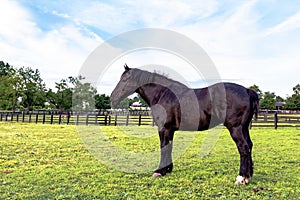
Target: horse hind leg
245, 155
250, 144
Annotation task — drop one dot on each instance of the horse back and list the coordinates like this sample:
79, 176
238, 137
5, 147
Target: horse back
204, 108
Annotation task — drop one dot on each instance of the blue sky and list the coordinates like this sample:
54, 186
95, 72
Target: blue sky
250, 42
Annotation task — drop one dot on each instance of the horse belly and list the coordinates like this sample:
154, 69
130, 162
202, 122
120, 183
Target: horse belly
208, 122
199, 123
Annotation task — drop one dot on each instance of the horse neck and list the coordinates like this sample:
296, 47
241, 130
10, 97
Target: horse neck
153, 85
151, 93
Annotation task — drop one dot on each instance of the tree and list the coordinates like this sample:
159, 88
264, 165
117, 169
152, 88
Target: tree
293, 102
6, 69
8, 97
50, 99
268, 101
124, 104
83, 94
296, 89
31, 86
8, 87
102, 101
63, 100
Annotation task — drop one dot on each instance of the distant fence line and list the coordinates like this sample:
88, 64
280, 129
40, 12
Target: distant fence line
80, 112
108, 118
78, 118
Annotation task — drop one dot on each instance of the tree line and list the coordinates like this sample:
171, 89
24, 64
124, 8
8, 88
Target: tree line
23, 89
269, 99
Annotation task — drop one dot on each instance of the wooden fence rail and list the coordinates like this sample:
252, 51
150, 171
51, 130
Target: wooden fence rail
277, 120
264, 120
77, 119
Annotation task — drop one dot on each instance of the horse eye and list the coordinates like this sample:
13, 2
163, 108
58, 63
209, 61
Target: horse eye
125, 77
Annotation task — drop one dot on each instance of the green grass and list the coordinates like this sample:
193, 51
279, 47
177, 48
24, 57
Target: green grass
51, 162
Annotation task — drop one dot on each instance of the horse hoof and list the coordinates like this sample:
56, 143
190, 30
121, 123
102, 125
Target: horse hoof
155, 175
239, 183
241, 180
247, 180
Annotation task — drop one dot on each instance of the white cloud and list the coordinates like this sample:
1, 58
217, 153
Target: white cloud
57, 54
231, 33
15, 22
122, 16
290, 24
169, 13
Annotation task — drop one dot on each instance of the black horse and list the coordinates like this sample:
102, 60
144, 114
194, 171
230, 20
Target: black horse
175, 107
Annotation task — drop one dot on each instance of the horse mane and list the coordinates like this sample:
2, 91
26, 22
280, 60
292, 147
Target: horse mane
144, 77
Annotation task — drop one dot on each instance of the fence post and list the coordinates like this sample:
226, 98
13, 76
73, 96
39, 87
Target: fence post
127, 119
116, 119
265, 118
59, 119
0, 117
12, 117
109, 120
87, 119
36, 118
29, 120
105, 120
51, 118
77, 119
96, 119
68, 118
275, 120
17, 117
44, 118
140, 119
23, 116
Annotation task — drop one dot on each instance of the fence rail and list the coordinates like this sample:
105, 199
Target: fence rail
264, 120
277, 120
77, 119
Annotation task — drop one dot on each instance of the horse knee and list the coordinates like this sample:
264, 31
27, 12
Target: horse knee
244, 149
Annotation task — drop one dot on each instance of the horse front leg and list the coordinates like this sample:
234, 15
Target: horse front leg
166, 163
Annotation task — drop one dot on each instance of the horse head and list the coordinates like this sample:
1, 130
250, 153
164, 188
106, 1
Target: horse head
126, 86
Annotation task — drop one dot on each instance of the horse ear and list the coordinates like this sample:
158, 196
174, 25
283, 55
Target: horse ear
126, 67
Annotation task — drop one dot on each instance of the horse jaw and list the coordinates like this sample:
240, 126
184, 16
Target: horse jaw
115, 98
114, 102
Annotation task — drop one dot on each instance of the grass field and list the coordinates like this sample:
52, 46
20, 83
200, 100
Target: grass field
51, 162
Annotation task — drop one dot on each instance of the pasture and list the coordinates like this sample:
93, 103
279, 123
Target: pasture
40, 161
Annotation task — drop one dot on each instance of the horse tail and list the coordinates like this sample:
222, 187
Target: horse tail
254, 102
